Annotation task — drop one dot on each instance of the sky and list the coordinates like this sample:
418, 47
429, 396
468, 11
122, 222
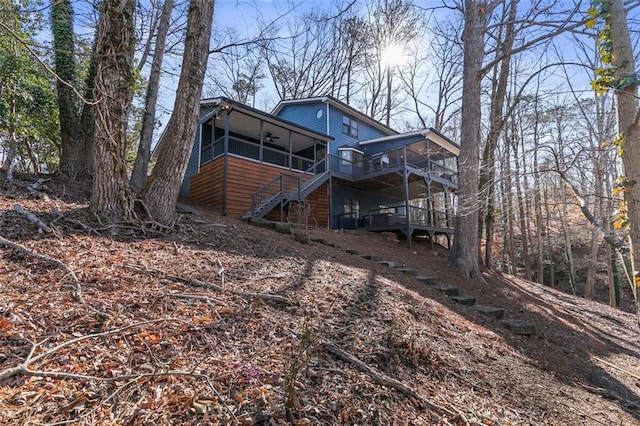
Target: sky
246, 16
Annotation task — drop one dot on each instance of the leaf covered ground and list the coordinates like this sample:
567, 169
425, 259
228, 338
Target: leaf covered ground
136, 329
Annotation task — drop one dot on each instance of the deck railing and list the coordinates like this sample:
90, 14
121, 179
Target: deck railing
390, 160
396, 215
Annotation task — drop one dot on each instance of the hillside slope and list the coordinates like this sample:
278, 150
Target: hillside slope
145, 336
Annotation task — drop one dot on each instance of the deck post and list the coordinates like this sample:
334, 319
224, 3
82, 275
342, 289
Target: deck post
290, 150
430, 208
405, 183
225, 162
261, 152
330, 209
282, 200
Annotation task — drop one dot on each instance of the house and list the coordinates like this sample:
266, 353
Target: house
320, 161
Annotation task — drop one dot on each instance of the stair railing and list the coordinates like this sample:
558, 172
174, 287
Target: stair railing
266, 193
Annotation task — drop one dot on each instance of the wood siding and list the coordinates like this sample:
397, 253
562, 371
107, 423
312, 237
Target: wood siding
318, 203
206, 186
243, 179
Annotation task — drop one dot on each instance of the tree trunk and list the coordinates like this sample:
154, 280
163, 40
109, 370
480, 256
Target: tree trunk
161, 191
113, 85
568, 251
537, 202
552, 266
521, 202
496, 123
72, 146
140, 167
465, 252
629, 127
87, 120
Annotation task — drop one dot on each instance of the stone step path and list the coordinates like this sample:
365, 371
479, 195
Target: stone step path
464, 299
489, 311
516, 326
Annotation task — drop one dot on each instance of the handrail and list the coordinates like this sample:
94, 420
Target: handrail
282, 184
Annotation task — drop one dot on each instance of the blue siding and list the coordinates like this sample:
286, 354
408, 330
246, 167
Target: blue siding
365, 131
305, 115
192, 165
367, 201
388, 146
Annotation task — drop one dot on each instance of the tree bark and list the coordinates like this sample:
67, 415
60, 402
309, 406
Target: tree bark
537, 202
161, 191
140, 167
496, 123
520, 178
629, 127
72, 146
465, 252
87, 119
113, 85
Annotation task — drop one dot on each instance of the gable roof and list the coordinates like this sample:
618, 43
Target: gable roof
212, 106
338, 104
429, 133
265, 116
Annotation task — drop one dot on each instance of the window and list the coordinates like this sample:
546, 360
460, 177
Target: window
346, 156
351, 156
206, 144
349, 126
352, 207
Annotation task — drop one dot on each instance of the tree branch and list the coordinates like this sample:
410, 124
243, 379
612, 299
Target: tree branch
210, 286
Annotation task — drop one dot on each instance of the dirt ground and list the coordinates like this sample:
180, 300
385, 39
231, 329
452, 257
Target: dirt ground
222, 322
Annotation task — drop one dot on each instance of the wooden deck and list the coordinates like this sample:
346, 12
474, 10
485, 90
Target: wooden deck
244, 177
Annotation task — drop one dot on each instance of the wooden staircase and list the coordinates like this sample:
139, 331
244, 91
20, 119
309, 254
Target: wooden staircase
286, 188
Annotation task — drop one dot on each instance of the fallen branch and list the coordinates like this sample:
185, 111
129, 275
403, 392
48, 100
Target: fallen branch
32, 218
210, 286
77, 291
635, 376
23, 367
34, 188
194, 297
383, 379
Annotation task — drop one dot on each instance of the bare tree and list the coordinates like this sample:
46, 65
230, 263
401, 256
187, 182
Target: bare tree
628, 111
238, 70
464, 253
300, 66
161, 190
140, 167
444, 58
392, 26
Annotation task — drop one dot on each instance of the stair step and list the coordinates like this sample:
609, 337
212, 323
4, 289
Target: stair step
446, 289
519, 326
427, 279
318, 240
408, 271
351, 251
490, 311
389, 263
463, 299
374, 258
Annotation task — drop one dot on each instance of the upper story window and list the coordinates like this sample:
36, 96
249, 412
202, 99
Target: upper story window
349, 126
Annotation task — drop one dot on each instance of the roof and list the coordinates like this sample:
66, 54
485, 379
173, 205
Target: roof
224, 103
265, 116
340, 106
429, 133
